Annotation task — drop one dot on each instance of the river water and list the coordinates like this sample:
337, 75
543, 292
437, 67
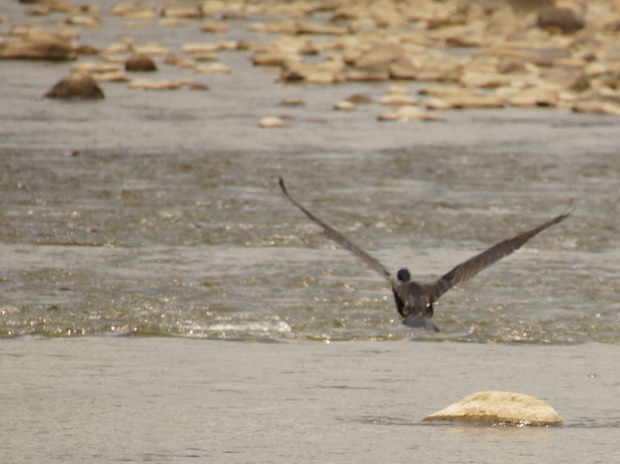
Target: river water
157, 214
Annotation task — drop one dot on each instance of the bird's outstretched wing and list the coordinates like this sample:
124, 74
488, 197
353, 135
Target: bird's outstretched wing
340, 239
473, 266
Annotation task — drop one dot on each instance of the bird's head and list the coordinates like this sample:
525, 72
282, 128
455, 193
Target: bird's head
403, 275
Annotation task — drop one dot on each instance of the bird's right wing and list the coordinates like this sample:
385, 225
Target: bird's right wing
340, 239
473, 266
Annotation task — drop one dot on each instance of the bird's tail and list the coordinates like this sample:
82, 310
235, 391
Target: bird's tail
415, 320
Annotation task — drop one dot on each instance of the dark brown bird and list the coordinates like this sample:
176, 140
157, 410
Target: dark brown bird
414, 301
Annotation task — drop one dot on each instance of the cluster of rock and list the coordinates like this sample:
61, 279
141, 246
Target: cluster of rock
469, 54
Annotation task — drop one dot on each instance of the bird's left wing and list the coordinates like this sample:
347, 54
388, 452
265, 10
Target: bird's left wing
473, 266
340, 239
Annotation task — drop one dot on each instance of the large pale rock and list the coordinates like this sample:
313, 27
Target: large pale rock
77, 85
498, 407
38, 44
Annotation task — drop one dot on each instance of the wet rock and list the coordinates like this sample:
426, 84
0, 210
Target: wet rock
38, 44
140, 63
359, 98
78, 86
564, 19
292, 102
497, 407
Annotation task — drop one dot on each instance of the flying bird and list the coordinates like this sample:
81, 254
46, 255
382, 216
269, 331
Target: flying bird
414, 301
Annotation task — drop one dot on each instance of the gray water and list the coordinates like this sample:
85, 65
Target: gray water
158, 214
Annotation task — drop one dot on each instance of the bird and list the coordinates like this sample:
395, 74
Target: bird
414, 300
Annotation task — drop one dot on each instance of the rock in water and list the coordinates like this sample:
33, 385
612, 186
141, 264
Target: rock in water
142, 63
77, 85
499, 408
38, 44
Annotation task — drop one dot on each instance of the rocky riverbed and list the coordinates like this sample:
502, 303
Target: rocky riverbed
490, 54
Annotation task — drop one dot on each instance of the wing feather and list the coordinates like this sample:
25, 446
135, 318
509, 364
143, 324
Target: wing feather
473, 266
340, 239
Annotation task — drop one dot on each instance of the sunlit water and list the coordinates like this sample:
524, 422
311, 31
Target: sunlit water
158, 214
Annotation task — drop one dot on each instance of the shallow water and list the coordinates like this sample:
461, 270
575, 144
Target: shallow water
158, 214
146, 399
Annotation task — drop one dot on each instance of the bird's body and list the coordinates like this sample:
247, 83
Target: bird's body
414, 301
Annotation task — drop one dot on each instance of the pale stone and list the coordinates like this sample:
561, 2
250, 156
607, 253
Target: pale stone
271, 121
498, 407
201, 47
191, 12
327, 72
397, 90
409, 113
345, 105
97, 67
85, 21
151, 48
149, 84
596, 107
484, 80
398, 100
134, 11
214, 27
535, 97
213, 68
113, 76
180, 61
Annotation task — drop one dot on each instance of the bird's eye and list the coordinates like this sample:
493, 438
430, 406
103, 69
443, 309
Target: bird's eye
428, 305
